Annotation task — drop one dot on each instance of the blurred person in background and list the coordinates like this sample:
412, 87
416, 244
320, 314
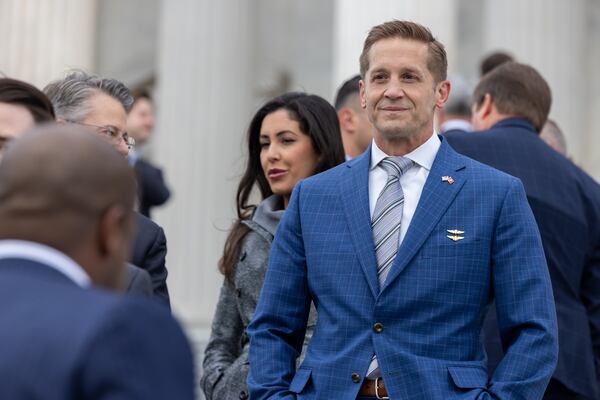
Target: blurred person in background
554, 137
289, 138
510, 106
493, 60
63, 246
456, 113
152, 189
357, 130
21, 107
101, 105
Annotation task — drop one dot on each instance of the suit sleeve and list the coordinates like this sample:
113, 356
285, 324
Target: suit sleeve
154, 190
224, 345
278, 328
140, 282
524, 302
138, 353
590, 283
155, 264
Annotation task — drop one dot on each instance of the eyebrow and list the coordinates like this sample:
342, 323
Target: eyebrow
263, 135
403, 70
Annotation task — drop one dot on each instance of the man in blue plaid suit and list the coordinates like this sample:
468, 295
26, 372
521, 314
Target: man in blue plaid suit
402, 250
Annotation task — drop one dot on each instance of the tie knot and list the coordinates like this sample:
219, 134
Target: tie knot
396, 166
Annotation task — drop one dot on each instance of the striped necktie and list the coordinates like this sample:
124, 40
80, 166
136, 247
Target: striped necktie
386, 225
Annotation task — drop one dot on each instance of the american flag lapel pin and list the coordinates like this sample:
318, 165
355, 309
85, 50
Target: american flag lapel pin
448, 179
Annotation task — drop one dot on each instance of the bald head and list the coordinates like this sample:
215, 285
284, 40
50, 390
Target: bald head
58, 184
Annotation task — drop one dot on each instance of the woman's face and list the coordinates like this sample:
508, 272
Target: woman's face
286, 154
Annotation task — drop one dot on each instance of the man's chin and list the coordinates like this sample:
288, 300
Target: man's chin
394, 133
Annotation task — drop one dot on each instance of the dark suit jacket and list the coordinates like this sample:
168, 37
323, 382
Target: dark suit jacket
152, 190
138, 281
566, 205
64, 342
149, 252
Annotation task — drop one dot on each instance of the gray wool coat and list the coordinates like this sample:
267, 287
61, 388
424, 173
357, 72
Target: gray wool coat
225, 366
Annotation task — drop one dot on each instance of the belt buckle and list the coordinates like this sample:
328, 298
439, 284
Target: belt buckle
377, 390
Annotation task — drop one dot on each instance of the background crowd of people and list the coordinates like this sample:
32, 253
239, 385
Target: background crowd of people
295, 314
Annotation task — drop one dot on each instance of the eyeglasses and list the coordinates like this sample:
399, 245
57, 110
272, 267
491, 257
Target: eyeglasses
112, 132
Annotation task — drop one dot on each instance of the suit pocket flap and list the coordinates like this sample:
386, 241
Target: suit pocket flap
300, 380
469, 377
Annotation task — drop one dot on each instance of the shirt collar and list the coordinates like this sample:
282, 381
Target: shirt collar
132, 157
424, 155
45, 255
456, 124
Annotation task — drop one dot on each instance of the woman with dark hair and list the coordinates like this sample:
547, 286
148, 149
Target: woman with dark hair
290, 138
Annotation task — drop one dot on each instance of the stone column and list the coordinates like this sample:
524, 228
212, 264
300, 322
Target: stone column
41, 39
591, 156
354, 18
554, 37
204, 94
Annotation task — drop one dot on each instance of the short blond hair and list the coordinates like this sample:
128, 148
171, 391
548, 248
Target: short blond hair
437, 63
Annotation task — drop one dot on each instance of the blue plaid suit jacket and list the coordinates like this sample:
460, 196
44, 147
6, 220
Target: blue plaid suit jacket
432, 304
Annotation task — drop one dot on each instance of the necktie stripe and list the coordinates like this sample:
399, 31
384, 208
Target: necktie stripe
386, 236
385, 225
388, 210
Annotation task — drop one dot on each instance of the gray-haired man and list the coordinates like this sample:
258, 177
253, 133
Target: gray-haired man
102, 105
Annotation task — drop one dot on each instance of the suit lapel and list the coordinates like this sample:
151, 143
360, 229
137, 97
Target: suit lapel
436, 197
354, 187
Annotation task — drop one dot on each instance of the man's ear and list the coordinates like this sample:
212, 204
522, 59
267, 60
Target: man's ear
482, 113
362, 93
114, 231
487, 106
442, 92
347, 119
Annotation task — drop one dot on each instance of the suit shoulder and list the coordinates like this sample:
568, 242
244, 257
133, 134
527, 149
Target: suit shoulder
325, 181
132, 318
478, 171
147, 164
145, 224
329, 175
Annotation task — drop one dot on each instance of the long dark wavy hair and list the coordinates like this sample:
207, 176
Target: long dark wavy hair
317, 119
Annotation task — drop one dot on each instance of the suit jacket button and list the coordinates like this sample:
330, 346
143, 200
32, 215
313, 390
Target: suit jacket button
243, 395
378, 327
355, 377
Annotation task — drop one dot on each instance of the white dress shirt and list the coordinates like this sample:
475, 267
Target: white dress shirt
45, 255
456, 124
412, 181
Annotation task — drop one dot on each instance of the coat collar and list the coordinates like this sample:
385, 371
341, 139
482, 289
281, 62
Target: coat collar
445, 180
512, 122
436, 197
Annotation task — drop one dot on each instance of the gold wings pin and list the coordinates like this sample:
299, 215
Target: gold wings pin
455, 235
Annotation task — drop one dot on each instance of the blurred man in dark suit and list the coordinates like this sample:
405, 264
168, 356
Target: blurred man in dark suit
152, 189
456, 113
101, 104
61, 244
511, 104
21, 107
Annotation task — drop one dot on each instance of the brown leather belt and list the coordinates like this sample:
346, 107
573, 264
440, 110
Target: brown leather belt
373, 388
